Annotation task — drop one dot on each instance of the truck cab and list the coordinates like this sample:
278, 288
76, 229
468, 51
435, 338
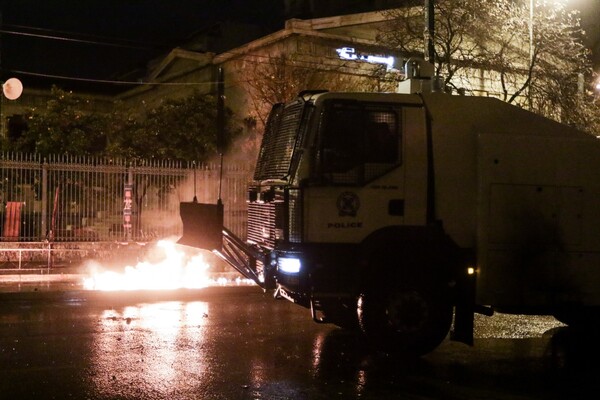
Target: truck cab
343, 180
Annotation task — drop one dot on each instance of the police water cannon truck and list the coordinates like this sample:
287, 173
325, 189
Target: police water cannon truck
403, 214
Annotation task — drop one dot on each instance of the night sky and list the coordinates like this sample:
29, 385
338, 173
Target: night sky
114, 39
104, 40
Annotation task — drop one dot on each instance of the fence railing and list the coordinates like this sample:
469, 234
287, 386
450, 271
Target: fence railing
64, 198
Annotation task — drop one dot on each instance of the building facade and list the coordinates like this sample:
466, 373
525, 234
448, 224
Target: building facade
331, 53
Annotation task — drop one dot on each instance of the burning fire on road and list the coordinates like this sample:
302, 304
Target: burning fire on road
169, 267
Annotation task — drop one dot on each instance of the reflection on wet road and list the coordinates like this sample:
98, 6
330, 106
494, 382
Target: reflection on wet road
238, 343
160, 341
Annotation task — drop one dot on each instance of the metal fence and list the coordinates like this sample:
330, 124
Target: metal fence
64, 198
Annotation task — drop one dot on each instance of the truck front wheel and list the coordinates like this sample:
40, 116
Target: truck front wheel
409, 320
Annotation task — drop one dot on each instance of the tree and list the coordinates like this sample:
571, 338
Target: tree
62, 127
282, 77
178, 129
183, 129
490, 40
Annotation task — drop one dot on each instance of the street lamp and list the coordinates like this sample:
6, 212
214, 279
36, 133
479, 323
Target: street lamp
429, 31
12, 90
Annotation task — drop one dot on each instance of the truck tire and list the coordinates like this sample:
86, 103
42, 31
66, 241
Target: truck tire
407, 320
405, 295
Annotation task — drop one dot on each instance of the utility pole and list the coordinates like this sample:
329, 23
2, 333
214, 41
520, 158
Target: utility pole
429, 30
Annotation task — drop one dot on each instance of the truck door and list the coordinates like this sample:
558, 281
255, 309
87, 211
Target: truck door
369, 171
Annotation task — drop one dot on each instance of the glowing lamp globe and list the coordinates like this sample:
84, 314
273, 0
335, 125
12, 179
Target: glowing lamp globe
12, 88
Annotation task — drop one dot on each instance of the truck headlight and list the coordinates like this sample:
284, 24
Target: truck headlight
288, 265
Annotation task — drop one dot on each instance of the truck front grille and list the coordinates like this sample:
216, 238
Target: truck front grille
295, 216
265, 222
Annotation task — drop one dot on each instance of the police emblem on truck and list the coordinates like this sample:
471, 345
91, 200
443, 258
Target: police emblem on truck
348, 204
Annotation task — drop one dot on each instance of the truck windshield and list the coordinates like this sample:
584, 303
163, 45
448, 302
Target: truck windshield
359, 141
279, 141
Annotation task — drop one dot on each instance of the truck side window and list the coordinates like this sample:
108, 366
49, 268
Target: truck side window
343, 139
381, 143
359, 142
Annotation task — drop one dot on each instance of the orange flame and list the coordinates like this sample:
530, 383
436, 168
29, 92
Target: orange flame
175, 270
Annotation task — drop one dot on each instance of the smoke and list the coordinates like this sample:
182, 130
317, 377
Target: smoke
244, 149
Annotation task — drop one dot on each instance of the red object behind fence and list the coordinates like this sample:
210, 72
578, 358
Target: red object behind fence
12, 220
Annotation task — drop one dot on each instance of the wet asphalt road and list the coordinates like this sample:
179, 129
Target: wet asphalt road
238, 343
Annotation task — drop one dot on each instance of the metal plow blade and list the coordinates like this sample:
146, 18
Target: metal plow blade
202, 225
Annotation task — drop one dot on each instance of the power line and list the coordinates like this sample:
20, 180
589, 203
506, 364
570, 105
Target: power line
72, 40
91, 80
100, 38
